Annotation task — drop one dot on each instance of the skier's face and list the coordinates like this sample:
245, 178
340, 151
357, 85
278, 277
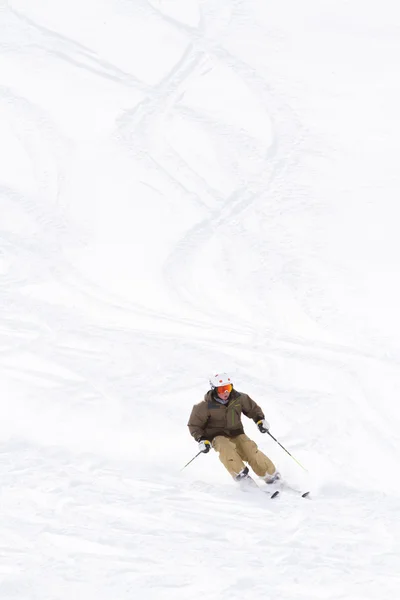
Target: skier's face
223, 391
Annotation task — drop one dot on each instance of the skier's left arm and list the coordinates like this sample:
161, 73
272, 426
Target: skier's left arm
253, 411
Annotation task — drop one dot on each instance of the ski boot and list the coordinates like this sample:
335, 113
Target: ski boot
244, 480
275, 477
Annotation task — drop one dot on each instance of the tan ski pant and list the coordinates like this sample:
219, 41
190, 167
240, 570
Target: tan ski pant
233, 452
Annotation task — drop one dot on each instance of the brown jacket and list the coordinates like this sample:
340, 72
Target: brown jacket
209, 418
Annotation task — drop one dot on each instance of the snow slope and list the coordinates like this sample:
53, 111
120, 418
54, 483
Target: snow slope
188, 186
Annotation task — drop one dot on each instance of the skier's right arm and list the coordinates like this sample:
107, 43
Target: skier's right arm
198, 421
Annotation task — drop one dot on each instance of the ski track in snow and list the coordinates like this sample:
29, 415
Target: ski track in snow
75, 522
91, 513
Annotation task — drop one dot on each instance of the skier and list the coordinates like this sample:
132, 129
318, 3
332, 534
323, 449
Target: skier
216, 422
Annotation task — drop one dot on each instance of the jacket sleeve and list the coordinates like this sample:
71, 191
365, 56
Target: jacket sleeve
198, 420
251, 409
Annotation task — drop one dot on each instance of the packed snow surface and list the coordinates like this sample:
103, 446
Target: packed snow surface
189, 186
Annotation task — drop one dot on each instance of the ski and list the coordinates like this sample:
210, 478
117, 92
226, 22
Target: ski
285, 486
248, 485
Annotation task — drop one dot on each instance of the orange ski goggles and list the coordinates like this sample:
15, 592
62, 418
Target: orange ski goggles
224, 388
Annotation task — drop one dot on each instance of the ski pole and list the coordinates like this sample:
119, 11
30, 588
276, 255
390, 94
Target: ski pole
192, 460
287, 451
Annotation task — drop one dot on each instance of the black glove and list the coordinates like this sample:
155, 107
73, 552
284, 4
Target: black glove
204, 446
263, 425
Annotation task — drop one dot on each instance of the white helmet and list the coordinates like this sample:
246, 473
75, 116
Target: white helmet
220, 379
